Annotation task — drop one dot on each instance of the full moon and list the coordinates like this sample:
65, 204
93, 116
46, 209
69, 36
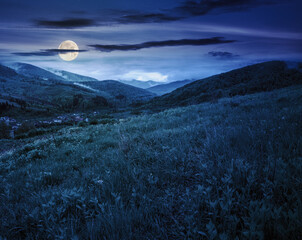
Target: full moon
69, 45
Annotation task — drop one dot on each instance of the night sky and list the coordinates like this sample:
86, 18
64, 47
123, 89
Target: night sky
164, 40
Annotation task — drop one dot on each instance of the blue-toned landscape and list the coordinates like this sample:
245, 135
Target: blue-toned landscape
150, 119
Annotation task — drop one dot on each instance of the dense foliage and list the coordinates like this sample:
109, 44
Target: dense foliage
225, 170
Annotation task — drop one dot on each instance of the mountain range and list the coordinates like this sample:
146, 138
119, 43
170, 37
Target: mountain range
38, 89
141, 84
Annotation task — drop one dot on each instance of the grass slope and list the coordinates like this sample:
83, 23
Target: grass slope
227, 170
251, 79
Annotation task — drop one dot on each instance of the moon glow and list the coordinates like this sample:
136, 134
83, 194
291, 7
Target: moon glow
68, 45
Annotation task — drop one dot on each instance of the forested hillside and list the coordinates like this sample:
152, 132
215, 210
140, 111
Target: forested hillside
251, 79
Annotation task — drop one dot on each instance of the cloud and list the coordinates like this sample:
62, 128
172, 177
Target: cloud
191, 8
144, 76
46, 52
147, 18
203, 7
186, 9
67, 23
222, 54
182, 42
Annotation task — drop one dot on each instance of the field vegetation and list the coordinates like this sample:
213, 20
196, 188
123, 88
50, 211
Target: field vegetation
224, 169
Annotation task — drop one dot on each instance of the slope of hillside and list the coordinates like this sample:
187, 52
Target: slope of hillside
251, 79
210, 171
35, 93
141, 84
120, 91
6, 72
34, 71
168, 87
72, 77
40, 89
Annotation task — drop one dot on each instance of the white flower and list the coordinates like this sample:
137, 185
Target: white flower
100, 181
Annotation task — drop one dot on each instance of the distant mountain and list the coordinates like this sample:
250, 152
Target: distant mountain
168, 87
6, 72
261, 77
117, 90
120, 91
31, 90
72, 77
141, 84
34, 71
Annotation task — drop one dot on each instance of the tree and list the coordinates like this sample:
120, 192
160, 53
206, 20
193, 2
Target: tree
100, 101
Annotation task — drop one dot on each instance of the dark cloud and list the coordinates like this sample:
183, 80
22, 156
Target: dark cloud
46, 52
66, 23
182, 42
148, 18
202, 7
189, 8
222, 54
192, 8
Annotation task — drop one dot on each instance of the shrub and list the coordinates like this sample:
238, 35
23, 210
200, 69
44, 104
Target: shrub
93, 122
4, 130
25, 127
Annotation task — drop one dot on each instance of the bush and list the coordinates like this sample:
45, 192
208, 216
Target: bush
107, 121
82, 124
136, 112
93, 122
25, 128
4, 130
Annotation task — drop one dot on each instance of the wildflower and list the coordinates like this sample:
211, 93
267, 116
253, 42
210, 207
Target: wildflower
100, 181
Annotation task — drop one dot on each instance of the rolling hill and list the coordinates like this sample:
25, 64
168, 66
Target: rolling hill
34, 71
260, 77
35, 93
141, 84
168, 87
72, 77
120, 91
36, 88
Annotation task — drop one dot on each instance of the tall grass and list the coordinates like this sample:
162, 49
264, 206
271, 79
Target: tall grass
225, 170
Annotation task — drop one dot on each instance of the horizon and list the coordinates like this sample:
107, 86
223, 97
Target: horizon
162, 41
58, 72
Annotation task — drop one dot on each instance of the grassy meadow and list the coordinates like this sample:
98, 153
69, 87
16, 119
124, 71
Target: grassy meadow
226, 169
